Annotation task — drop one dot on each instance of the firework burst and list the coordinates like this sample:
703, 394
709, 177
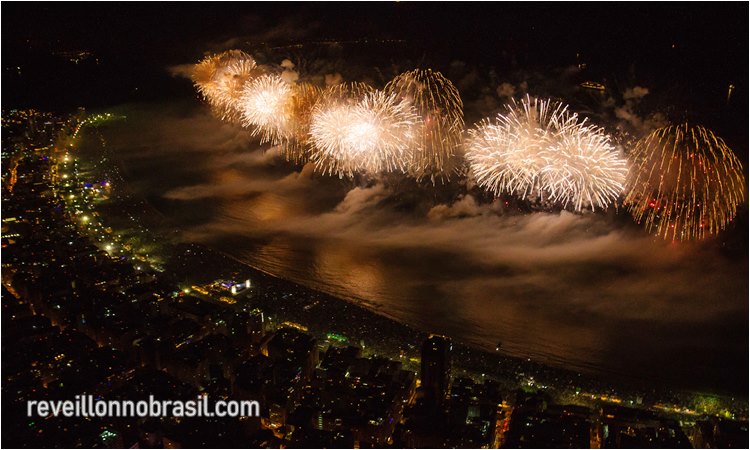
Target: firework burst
538, 148
374, 134
347, 92
220, 79
438, 103
583, 168
337, 97
686, 183
267, 105
297, 147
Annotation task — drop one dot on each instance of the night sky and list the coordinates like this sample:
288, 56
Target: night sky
135, 43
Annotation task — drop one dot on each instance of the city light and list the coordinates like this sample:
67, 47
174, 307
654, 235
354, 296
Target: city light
530, 247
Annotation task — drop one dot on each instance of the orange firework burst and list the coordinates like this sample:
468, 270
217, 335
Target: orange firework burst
439, 104
686, 183
304, 98
220, 78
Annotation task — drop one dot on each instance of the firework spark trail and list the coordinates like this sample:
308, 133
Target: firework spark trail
297, 148
438, 103
375, 134
538, 148
220, 79
348, 92
686, 183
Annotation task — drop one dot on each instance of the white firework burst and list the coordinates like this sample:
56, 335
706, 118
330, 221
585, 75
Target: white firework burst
584, 169
372, 135
539, 148
267, 105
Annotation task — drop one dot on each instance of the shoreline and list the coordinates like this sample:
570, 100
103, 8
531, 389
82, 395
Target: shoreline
614, 381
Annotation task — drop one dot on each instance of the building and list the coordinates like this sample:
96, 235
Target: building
436, 369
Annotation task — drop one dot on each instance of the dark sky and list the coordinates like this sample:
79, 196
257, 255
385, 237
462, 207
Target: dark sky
142, 31
135, 42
